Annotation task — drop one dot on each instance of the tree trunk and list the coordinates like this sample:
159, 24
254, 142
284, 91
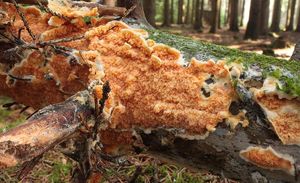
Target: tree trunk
242, 13
167, 21
219, 15
253, 26
172, 12
187, 13
193, 11
298, 22
150, 11
180, 12
212, 115
265, 17
215, 16
275, 27
197, 24
290, 26
288, 14
234, 17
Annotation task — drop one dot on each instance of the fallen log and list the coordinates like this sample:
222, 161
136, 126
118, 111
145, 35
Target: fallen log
238, 117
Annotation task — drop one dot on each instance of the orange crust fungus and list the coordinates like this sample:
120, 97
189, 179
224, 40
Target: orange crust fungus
282, 112
268, 158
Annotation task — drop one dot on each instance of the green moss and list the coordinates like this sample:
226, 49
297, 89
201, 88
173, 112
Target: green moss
7, 119
290, 70
60, 171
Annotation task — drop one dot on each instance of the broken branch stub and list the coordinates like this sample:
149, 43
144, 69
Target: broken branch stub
45, 129
206, 113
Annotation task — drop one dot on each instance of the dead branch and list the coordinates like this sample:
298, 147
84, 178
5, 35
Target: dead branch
23, 19
44, 130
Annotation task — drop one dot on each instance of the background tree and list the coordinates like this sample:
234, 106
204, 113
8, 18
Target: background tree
290, 26
198, 25
172, 12
219, 15
150, 11
288, 12
215, 15
265, 11
188, 11
298, 22
167, 20
252, 31
242, 12
234, 8
180, 12
275, 27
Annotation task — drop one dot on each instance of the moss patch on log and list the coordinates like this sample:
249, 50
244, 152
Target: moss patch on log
287, 72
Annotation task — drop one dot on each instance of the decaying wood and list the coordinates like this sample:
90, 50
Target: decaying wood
44, 130
296, 54
227, 117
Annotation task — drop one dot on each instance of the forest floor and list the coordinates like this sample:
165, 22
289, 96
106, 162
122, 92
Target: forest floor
282, 43
56, 168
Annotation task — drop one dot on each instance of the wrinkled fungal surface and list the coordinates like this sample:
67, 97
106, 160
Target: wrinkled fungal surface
268, 158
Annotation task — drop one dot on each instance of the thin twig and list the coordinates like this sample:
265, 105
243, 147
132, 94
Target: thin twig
63, 40
18, 78
28, 166
6, 37
23, 19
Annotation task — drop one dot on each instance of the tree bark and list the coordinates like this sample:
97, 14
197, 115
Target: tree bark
288, 14
150, 11
290, 26
44, 130
265, 17
298, 21
198, 25
172, 12
234, 16
253, 26
167, 19
219, 15
275, 27
242, 13
215, 16
188, 11
180, 12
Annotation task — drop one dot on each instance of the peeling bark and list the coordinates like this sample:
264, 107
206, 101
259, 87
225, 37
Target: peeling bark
44, 130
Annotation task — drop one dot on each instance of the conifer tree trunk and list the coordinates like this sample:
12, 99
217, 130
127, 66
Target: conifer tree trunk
219, 15
234, 6
275, 27
180, 12
215, 16
253, 26
298, 21
290, 26
288, 13
167, 21
172, 12
149, 8
188, 10
242, 13
265, 17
